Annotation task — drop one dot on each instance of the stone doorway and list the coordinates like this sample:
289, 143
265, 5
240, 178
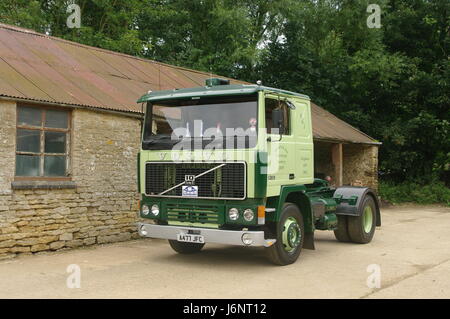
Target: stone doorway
346, 163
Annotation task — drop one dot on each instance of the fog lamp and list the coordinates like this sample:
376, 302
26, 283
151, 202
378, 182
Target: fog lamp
247, 239
143, 231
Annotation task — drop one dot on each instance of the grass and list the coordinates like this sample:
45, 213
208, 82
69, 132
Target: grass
409, 192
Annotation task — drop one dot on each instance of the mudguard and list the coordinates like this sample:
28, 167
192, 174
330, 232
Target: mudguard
296, 195
349, 200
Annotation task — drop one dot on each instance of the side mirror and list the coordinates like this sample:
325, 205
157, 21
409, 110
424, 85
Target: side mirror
278, 120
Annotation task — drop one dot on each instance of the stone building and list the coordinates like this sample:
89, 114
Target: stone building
342, 152
69, 135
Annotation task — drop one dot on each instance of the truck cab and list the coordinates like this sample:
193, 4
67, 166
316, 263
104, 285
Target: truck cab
233, 164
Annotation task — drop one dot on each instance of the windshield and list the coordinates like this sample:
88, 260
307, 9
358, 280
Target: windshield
229, 122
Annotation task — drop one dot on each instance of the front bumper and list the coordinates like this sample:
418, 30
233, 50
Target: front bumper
230, 237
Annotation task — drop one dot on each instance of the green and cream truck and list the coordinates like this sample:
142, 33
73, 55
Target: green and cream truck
233, 164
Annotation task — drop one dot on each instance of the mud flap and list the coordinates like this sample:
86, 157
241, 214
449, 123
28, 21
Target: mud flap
308, 243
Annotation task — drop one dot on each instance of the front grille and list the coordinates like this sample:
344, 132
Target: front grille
228, 181
193, 214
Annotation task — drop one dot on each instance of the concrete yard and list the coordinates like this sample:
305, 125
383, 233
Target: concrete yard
412, 249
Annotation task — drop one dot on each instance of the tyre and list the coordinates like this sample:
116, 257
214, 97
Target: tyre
341, 233
362, 228
185, 248
289, 233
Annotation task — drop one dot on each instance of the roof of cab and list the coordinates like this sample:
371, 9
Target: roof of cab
218, 90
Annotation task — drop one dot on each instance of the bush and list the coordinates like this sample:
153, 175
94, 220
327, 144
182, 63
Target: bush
434, 193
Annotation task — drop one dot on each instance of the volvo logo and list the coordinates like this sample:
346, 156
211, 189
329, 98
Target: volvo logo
189, 179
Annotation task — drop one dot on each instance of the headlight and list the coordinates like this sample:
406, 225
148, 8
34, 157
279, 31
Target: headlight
249, 215
155, 210
145, 210
233, 214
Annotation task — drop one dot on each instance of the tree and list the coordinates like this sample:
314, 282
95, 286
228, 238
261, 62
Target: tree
392, 82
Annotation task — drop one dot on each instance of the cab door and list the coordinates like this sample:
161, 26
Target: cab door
281, 145
304, 148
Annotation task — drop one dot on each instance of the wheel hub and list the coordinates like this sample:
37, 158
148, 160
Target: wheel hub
291, 234
367, 219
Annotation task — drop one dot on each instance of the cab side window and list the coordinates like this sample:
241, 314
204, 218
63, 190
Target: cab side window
272, 104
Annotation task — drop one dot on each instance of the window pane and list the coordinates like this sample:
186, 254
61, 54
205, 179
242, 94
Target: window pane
272, 104
56, 118
28, 140
55, 142
55, 166
31, 116
27, 165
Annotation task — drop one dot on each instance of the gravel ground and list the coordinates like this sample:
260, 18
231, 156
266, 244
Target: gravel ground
411, 251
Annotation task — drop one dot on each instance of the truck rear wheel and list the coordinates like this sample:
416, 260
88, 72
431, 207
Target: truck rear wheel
341, 233
185, 248
362, 228
290, 231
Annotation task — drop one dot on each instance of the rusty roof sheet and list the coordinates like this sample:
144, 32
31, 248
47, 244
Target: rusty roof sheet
328, 127
37, 67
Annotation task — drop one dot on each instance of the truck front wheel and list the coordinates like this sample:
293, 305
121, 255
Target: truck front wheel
290, 232
185, 248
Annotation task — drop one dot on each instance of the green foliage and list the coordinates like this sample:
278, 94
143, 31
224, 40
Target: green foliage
106, 24
23, 13
434, 193
220, 36
392, 82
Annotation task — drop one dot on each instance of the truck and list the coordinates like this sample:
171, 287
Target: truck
234, 164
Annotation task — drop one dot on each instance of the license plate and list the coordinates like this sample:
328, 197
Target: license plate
190, 238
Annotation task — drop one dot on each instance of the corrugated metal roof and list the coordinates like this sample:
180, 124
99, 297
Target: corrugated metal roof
43, 68
328, 127
38, 67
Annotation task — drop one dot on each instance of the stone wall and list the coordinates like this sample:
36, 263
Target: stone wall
7, 147
100, 208
361, 165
